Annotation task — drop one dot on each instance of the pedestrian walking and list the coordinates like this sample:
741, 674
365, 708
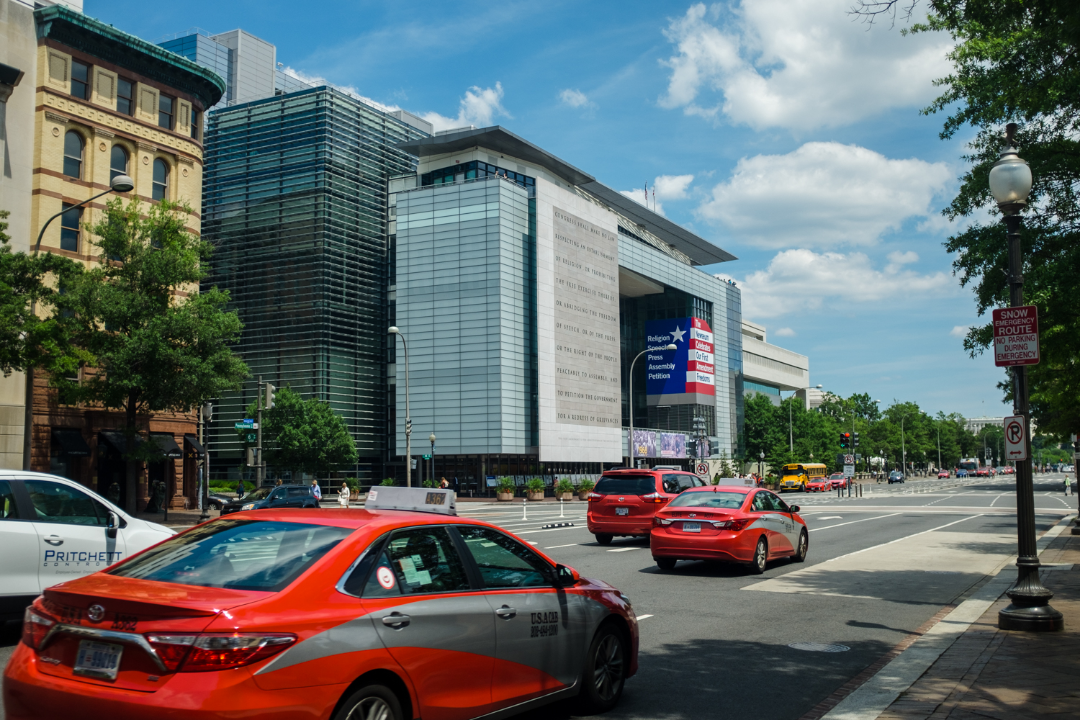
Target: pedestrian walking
240, 489
1068, 486
457, 485
444, 484
277, 482
315, 489
343, 496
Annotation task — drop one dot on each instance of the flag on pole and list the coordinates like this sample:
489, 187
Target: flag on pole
646, 193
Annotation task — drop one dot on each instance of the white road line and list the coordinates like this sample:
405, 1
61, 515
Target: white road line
906, 537
999, 497
830, 517
642, 617
624, 549
852, 522
561, 546
531, 542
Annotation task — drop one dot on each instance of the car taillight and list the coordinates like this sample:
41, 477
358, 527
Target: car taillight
733, 525
36, 626
661, 521
654, 498
216, 651
593, 497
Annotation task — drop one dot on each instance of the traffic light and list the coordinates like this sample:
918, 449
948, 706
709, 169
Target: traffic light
270, 391
714, 447
845, 440
855, 440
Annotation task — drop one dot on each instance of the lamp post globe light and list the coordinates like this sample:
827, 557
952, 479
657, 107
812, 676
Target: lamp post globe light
1010, 183
431, 437
630, 396
119, 184
761, 465
408, 418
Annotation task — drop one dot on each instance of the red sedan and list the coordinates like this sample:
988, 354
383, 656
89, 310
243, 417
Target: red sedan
818, 485
729, 524
943, 474
838, 480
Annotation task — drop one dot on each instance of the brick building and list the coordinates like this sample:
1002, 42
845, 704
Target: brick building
108, 103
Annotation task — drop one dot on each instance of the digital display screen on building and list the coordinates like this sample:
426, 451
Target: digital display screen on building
688, 370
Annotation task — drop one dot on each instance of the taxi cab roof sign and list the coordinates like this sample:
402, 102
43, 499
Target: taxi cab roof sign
432, 500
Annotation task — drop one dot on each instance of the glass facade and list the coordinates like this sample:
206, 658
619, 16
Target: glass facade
465, 288
295, 205
206, 52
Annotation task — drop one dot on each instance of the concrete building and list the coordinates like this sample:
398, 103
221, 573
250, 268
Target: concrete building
770, 369
103, 103
525, 289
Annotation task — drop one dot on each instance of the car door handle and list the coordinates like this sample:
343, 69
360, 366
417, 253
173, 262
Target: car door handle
506, 613
396, 620
54, 540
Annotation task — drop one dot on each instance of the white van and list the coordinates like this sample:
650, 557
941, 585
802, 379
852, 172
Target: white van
53, 529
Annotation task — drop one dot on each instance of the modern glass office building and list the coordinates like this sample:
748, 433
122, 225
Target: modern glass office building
525, 289
295, 204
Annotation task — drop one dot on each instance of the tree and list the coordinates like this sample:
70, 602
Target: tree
305, 435
157, 343
41, 339
1018, 62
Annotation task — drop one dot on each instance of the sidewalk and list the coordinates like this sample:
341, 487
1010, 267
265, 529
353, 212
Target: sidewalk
1008, 675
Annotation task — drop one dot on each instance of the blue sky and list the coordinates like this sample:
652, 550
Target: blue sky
784, 131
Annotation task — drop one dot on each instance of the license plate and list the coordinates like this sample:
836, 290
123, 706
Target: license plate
622, 511
691, 527
97, 659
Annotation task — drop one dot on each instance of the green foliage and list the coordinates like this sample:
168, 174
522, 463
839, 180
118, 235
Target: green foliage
44, 339
535, 484
505, 484
353, 483
305, 435
388, 482
429, 483
586, 485
564, 486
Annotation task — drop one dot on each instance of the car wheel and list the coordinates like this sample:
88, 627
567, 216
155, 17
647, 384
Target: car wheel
371, 702
605, 672
604, 539
761, 557
804, 545
666, 563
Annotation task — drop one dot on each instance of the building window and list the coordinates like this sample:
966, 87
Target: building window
69, 227
73, 154
166, 110
80, 80
125, 96
161, 179
195, 124
118, 162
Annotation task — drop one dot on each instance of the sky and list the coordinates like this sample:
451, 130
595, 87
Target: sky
787, 132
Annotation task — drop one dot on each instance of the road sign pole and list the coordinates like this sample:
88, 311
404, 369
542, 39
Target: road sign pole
259, 471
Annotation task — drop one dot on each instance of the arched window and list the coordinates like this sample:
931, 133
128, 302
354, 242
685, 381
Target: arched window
118, 162
73, 154
161, 179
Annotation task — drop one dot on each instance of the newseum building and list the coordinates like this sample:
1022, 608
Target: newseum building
524, 289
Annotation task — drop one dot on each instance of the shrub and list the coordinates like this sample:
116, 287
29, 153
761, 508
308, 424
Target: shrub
586, 485
429, 483
564, 486
535, 484
505, 484
387, 482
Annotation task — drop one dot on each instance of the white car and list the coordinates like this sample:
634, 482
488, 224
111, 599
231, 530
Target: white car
53, 529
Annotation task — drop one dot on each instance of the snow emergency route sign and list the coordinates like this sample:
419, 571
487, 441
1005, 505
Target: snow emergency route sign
1016, 336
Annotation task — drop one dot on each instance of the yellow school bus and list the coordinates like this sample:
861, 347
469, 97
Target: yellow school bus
796, 475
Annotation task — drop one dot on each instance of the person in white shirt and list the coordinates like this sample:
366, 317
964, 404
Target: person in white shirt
343, 496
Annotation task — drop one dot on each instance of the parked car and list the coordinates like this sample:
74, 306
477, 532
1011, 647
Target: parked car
896, 477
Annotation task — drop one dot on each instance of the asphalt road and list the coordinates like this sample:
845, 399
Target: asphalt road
716, 641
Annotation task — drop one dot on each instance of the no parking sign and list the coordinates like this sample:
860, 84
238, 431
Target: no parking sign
1016, 438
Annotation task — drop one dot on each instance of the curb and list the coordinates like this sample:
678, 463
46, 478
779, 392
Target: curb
868, 699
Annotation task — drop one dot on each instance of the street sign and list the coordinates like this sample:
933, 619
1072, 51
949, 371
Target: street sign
702, 469
251, 437
1016, 336
849, 460
1015, 438
427, 457
849, 471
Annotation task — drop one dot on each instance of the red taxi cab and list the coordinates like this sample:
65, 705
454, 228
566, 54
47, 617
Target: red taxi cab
624, 501
343, 614
728, 524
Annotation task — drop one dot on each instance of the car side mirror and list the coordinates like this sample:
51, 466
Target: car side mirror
112, 524
566, 576
795, 508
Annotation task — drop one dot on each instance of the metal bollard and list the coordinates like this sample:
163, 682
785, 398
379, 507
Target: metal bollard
525, 508
561, 508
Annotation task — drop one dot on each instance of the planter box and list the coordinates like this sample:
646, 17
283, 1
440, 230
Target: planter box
505, 496
584, 494
537, 495
566, 496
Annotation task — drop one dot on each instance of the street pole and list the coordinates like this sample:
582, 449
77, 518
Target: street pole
431, 437
408, 417
630, 397
258, 438
939, 448
791, 435
903, 446
206, 413
120, 184
1010, 182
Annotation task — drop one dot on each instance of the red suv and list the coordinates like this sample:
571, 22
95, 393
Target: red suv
624, 501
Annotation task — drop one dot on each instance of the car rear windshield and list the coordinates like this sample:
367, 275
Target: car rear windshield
626, 485
236, 554
726, 500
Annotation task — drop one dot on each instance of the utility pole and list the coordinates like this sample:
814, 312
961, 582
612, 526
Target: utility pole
939, 447
258, 437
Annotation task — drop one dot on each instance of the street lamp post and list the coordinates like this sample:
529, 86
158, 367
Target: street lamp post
206, 414
1010, 183
630, 395
791, 432
408, 418
761, 466
120, 184
431, 437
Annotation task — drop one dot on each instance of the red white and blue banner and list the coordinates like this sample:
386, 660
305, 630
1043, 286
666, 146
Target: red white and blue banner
688, 370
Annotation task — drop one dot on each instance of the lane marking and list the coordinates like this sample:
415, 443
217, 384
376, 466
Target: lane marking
906, 537
627, 549
830, 517
642, 617
998, 498
852, 522
561, 546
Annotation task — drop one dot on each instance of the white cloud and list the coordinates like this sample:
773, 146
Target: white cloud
663, 187
575, 98
829, 277
784, 332
479, 107
316, 80
797, 64
824, 194
959, 331
903, 258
